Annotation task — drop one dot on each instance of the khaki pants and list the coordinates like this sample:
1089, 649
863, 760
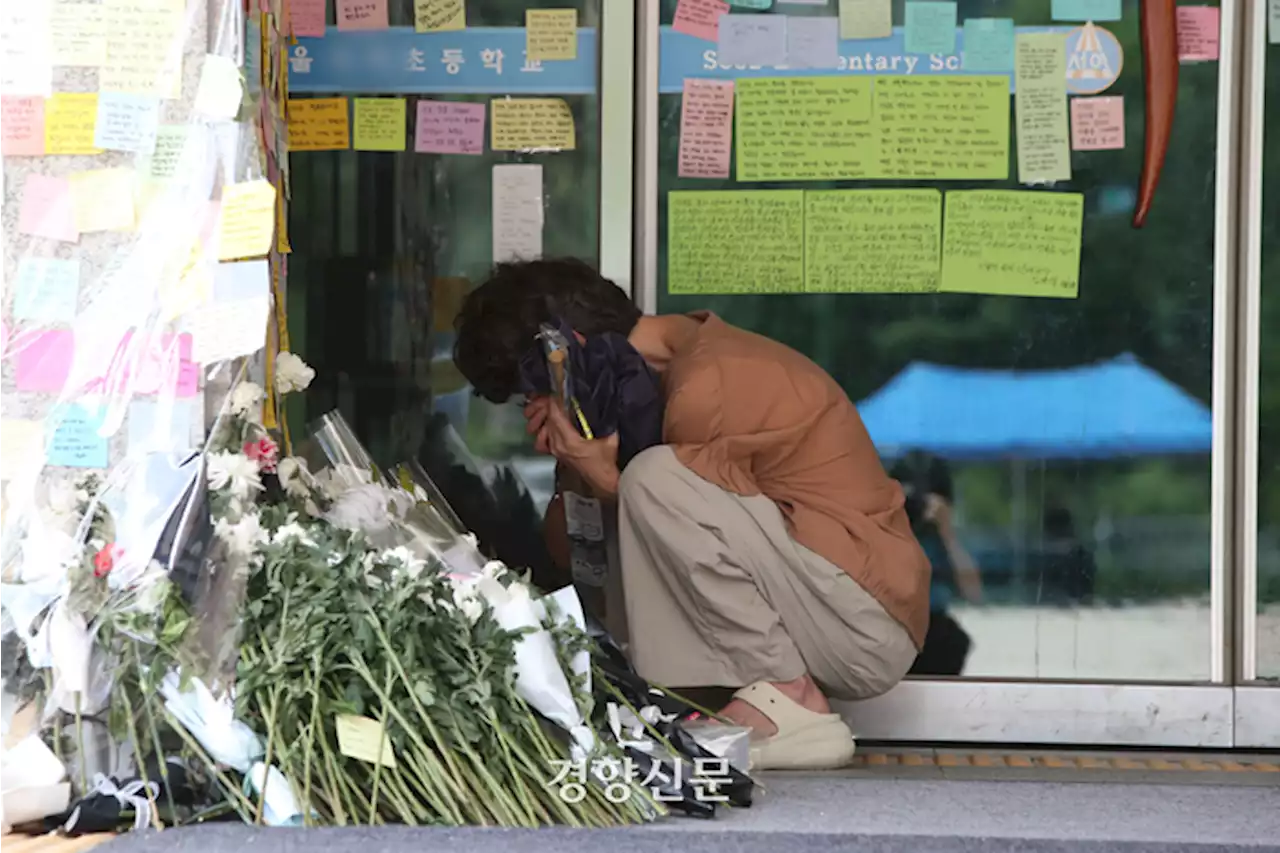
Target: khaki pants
718, 594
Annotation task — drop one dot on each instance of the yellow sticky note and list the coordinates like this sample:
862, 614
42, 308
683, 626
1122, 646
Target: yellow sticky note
521, 124
433, 16
551, 34
364, 740
805, 128
144, 47
23, 446
69, 124
872, 241
187, 282
319, 124
1040, 101
380, 124
77, 33
738, 241
247, 220
103, 199
1012, 243
943, 128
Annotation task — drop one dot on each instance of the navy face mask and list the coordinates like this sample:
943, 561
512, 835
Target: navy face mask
614, 385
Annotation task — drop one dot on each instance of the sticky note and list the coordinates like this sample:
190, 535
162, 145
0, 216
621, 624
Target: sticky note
26, 52
364, 740
380, 124
1097, 124
362, 14
44, 364
866, 19
1012, 243
1085, 10
813, 42
307, 18
930, 27
127, 122
551, 34
47, 289
988, 44
699, 18
103, 199
46, 209
752, 40
319, 124
171, 142
751, 4
75, 442
23, 442
872, 241
141, 364
526, 124
160, 425
246, 221
69, 124
224, 330
1040, 102
446, 127
433, 16
740, 241
517, 212
21, 126
1197, 33
943, 128
706, 128
805, 128
144, 47
1273, 21
220, 90
78, 34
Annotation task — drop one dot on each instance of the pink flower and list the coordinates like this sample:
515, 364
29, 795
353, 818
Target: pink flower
105, 560
265, 452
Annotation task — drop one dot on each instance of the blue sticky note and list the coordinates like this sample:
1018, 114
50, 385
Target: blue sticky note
76, 443
127, 122
988, 44
47, 290
752, 40
931, 28
813, 42
152, 428
1085, 10
241, 280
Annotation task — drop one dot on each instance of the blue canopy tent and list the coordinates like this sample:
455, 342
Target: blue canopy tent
1114, 408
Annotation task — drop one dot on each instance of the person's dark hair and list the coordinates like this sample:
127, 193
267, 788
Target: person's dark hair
500, 318
922, 474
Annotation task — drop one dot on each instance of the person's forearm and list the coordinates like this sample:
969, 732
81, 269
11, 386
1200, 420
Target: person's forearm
965, 567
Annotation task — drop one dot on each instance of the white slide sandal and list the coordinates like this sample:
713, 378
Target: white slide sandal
805, 740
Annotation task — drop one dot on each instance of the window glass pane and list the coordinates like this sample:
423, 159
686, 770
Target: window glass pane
1094, 556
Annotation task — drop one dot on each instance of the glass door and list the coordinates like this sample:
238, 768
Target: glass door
1082, 443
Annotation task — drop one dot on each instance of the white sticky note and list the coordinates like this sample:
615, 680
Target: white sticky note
220, 90
47, 290
127, 122
753, 40
78, 34
234, 322
158, 425
517, 212
813, 42
26, 49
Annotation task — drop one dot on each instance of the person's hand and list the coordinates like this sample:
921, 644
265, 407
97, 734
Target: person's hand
938, 511
595, 460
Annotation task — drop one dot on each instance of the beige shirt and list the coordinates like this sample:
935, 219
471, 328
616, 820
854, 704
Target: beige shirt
756, 417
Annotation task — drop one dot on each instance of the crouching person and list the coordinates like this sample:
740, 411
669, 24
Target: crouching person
762, 545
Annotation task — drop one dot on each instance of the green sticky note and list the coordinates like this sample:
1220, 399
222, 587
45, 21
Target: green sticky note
930, 27
747, 241
1012, 243
805, 128
872, 241
988, 44
1040, 101
942, 128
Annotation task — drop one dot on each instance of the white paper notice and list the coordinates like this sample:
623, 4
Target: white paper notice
753, 40
517, 212
26, 50
234, 323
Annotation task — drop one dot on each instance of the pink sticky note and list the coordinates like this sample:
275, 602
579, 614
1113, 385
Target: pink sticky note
1097, 124
45, 362
699, 18
1197, 33
445, 127
162, 368
21, 126
706, 128
307, 17
47, 209
362, 14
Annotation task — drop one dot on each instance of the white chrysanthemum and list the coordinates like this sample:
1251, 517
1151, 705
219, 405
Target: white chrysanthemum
466, 600
293, 475
292, 373
243, 536
244, 397
405, 561
292, 533
233, 473
362, 508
